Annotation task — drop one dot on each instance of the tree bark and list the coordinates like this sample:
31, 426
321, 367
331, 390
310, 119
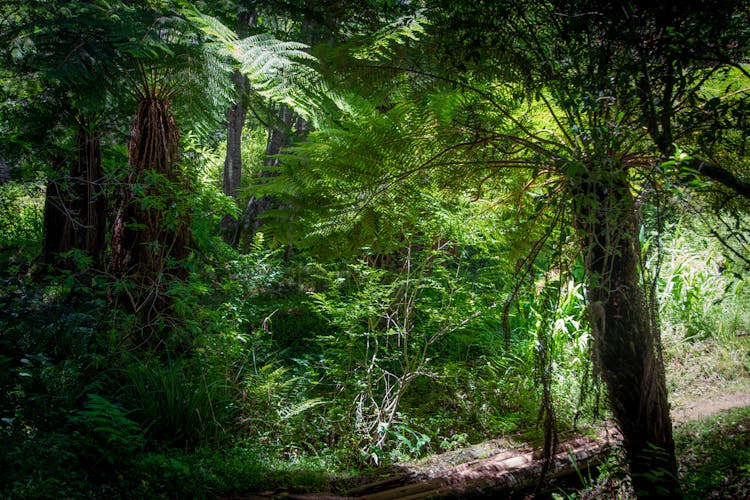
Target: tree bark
627, 341
232, 175
722, 176
149, 230
278, 138
57, 224
511, 473
236, 114
74, 205
88, 201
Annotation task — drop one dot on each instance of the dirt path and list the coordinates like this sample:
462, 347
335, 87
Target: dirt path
708, 405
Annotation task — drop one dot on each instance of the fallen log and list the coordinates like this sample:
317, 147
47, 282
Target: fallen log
506, 473
502, 473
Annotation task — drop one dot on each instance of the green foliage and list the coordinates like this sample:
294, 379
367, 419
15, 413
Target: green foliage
716, 456
385, 324
276, 406
105, 432
701, 292
372, 327
609, 481
277, 70
53, 465
53, 346
390, 38
41, 466
179, 404
20, 221
382, 166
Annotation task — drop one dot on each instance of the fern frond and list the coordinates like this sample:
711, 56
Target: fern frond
293, 410
280, 71
263, 55
384, 42
378, 171
211, 27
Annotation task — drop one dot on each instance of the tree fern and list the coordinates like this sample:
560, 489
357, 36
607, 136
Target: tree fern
376, 171
381, 45
280, 71
98, 48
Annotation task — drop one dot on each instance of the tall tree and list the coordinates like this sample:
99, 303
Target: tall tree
236, 114
173, 73
56, 51
272, 80
280, 136
144, 236
103, 61
323, 26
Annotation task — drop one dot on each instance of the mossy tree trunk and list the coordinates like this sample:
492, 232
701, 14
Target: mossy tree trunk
627, 341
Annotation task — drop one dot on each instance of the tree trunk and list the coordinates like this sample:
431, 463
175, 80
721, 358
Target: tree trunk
232, 175
236, 114
627, 340
278, 138
507, 473
88, 200
151, 229
74, 205
57, 224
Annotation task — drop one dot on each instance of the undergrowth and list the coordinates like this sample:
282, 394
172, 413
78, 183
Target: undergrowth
269, 371
715, 455
705, 312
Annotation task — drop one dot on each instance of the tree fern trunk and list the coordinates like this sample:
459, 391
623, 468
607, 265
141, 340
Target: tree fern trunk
57, 223
74, 204
625, 329
88, 202
149, 229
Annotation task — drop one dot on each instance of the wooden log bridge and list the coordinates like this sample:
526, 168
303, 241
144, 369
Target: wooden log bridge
473, 473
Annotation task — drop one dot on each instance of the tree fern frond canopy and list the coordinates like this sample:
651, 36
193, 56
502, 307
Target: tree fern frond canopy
281, 71
90, 47
379, 170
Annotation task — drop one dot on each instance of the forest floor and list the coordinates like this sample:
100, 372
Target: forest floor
503, 467
706, 379
710, 398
